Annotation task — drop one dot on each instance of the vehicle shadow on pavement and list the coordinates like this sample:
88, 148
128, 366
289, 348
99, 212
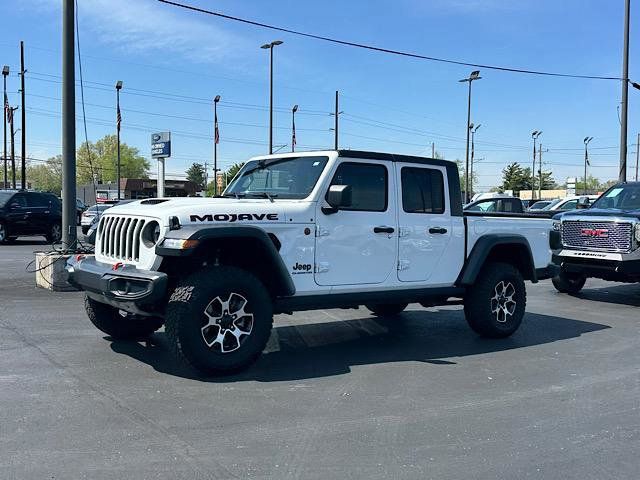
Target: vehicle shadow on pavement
621, 294
332, 348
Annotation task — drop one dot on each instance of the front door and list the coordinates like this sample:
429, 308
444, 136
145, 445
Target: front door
430, 240
19, 215
358, 244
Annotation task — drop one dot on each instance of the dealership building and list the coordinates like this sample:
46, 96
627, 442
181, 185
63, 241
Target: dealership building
132, 188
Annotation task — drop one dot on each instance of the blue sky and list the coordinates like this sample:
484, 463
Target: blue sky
391, 103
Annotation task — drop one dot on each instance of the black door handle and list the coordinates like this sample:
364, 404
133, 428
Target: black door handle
440, 230
383, 230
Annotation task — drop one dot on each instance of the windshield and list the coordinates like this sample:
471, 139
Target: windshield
623, 197
4, 198
552, 204
291, 177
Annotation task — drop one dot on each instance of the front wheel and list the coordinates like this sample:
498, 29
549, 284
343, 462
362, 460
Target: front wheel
219, 319
570, 283
386, 309
118, 324
494, 305
4, 233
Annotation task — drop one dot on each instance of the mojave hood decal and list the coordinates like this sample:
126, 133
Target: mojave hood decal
233, 217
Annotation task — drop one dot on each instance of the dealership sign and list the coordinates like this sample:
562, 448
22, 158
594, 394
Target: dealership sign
161, 145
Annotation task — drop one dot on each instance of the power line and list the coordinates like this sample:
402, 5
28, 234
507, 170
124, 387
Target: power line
382, 49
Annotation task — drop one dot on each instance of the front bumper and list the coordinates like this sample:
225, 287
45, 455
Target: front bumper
125, 287
613, 270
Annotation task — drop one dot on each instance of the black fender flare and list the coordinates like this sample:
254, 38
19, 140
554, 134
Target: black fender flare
483, 247
205, 234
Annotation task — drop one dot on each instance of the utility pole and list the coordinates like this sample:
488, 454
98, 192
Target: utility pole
69, 232
13, 147
23, 131
336, 114
540, 150
5, 106
118, 122
475, 75
637, 155
216, 140
473, 149
433, 149
622, 176
535, 134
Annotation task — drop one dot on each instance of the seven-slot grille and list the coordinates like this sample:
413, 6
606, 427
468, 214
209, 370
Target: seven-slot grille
119, 237
601, 236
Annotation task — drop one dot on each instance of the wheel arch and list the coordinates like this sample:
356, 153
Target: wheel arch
247, 247
512, 249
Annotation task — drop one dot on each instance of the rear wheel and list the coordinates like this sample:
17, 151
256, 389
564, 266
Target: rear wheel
386, 309
55, 233
4, 233
569, 282
219, 319
119, 324
494, 305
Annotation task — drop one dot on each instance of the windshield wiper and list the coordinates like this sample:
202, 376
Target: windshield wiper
262, 195
262, 164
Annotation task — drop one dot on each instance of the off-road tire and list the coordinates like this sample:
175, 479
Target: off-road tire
55, 233
386, 309
186, 320
480, 301
118, 326
570, 283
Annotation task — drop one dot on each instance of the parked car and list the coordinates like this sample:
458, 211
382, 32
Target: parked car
303, 231
539, 205
569, 203
24, 213
90, 213
90, 235
505, 203
602, 241
80, 208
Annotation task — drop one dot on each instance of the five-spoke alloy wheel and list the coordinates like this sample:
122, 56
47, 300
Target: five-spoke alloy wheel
227, 323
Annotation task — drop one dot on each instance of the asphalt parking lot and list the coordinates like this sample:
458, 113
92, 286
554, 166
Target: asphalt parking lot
338, 394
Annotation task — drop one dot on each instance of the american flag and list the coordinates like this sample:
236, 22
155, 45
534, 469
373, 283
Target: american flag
118, 118
216, 131
293, 134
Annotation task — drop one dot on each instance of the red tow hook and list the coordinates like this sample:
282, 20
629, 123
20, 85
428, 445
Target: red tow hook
80, 257
117, 265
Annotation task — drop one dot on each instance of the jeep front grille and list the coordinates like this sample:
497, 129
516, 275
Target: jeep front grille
597, 236
119, 237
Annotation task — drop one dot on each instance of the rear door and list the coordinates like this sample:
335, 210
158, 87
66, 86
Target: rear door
39, 206
431, 241
358, 245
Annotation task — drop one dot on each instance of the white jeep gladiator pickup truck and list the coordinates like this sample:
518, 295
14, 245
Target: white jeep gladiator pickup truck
302, 231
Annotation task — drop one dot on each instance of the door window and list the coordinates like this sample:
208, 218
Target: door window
422, 190
570, 205
368, 185
20, 199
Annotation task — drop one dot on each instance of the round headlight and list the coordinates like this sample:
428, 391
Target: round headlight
636, 232
150, 234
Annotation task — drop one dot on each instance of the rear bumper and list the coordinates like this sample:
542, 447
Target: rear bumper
127, 288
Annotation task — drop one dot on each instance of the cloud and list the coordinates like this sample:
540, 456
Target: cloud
149, 27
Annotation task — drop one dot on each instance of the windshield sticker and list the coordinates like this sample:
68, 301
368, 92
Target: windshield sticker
233, 217
614, 193
315, 164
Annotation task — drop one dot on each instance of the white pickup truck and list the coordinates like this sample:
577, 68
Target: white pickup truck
302, 231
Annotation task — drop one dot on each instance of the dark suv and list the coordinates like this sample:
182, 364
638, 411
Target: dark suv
29, 213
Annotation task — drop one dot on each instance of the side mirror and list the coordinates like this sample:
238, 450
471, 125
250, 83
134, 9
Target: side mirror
338, 196
583, 202
14, 206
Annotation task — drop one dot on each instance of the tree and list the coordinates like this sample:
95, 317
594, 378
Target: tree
233, 170
463, 176
195, 173
103, 161
516, 178
593, 184
47, 176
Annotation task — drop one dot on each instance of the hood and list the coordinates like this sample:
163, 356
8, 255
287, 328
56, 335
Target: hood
597, 212
195, 210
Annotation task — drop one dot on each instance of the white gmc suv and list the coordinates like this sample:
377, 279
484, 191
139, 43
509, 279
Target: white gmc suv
301, 231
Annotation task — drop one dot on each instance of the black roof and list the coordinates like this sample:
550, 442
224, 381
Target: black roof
393, 157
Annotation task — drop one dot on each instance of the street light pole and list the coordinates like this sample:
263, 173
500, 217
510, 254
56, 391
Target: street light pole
475, 75
13, 147
216, 140
118, 121
69, 213
23, 117
473, 150
622, 176
535, 134
293, 128
586, 162
5, 73
269, 46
